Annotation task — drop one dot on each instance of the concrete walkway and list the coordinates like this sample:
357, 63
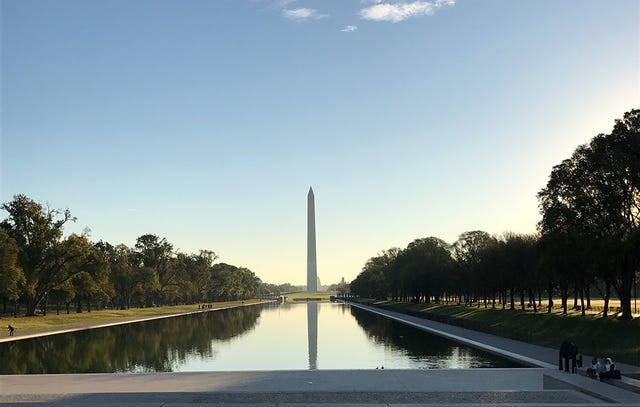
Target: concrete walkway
463, 387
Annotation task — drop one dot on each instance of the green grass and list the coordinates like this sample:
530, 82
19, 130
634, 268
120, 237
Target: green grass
594, 335
52, 321
322, 295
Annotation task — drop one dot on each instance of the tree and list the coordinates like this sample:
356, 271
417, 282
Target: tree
491, 273
122, 272
63, 294
198, 279
342, 288
521, 264
249, 283
91, 281
615, 192
232, 283
422, 268
12, 278
155, 254
594, 198
42, 253
467, 252
374, 281
563, 225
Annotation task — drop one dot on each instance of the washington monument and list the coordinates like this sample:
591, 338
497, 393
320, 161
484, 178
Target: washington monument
312, 267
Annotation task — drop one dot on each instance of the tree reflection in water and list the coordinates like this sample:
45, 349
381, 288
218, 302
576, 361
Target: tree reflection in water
432, 351
153, 346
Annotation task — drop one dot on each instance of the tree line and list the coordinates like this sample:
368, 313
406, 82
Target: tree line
588, 240
39, 266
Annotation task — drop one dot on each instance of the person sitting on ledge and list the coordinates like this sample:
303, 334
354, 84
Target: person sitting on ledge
610, 371
595, 368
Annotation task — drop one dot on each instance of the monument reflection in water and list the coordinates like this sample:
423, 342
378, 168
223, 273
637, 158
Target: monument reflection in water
272, 337
312, 334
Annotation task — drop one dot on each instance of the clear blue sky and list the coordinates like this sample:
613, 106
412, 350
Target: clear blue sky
206, 121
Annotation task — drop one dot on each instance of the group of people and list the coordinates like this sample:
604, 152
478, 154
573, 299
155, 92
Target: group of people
603, 368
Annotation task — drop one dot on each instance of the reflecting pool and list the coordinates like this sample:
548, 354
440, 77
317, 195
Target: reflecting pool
267, 337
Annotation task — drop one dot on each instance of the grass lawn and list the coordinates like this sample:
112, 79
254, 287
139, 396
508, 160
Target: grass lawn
322, 295
52, 321
594, 335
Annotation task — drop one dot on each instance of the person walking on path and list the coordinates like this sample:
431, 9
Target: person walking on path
11, 329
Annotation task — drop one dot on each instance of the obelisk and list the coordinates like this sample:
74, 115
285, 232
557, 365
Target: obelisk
312, 268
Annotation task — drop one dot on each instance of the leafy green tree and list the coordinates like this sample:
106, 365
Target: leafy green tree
156, 255
90, 273
198, 277
122, 272
63, 294
84, 288
146, 286
232, 283
43, 254
12, 278
99, 268
249, 283
133, 284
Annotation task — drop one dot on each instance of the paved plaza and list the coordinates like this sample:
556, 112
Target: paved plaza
534, 386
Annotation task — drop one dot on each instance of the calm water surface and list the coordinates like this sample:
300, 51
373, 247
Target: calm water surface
270, 337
